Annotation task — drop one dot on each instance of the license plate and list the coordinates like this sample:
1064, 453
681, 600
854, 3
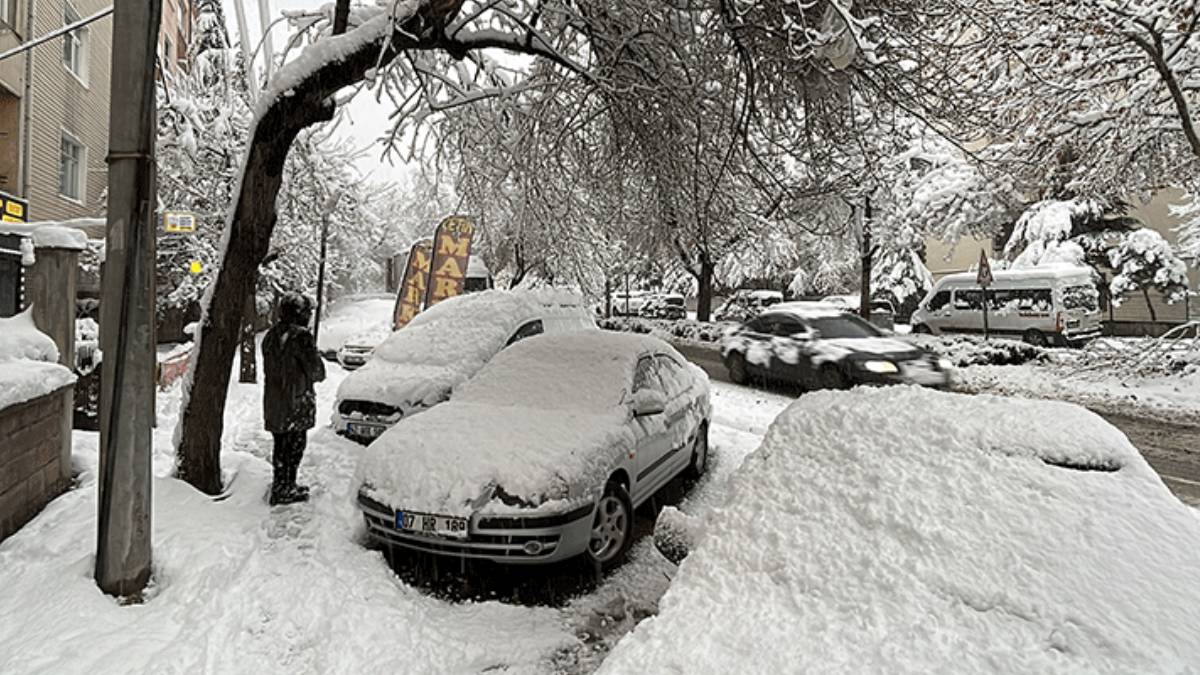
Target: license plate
424, 523
365, 430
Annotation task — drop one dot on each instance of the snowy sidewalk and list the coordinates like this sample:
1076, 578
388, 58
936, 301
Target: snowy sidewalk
239, 587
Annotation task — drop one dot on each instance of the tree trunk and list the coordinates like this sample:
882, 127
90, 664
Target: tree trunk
704, 295
1149, 305
864, 297
247, 357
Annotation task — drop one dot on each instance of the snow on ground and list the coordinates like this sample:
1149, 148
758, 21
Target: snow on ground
241, 588
908, 530
28, 367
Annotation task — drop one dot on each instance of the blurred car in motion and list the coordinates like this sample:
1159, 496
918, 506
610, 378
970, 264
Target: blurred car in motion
670, 306
419, 365
544, 454
819, 346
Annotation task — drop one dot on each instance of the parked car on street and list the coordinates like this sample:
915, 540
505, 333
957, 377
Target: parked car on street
544, 454
665, 306
419, 365
358, 348
883, 315
818, 345
1044, 305
746, 304
352, 316
629, 303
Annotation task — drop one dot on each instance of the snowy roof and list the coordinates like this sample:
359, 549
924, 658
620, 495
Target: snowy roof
903, 530
28, 357
476, 267
806, 310
1045, 271
535, 421
64, 234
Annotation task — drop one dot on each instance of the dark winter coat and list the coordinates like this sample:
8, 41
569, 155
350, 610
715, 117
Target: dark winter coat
291, 365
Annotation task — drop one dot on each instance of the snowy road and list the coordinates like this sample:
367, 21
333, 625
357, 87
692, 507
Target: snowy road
239, 587
1172, 449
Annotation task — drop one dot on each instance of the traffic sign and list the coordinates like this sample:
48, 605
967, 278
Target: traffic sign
179, 222
984, 276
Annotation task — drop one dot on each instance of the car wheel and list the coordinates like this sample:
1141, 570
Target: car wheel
737, 368
1035, 337
612, 529
922, 329
699, 454
832, 377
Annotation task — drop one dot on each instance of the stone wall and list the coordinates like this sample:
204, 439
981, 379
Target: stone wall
35, 457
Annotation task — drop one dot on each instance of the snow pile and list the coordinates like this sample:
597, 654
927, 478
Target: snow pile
683, 330
906, 530
52, 235
542, 421
28, 361
969, 350
352, 316
420, 364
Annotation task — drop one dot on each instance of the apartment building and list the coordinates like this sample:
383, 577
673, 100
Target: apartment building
54, 101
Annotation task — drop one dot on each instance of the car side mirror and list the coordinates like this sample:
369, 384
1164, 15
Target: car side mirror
648, 402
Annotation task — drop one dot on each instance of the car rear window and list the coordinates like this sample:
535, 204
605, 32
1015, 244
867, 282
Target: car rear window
846, 326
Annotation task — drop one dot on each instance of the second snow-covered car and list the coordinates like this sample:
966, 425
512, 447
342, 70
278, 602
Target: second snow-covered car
818, 346
419, 365
544, 454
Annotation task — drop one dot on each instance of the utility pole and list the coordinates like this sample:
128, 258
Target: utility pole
330, 205
864, 297
127, 308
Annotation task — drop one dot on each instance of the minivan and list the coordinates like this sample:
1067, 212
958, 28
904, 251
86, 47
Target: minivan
1053, 305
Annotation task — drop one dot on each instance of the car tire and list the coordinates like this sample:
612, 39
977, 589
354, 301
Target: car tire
612, 528
1035, 337
922, 329
832, 377
737, 368
699, 462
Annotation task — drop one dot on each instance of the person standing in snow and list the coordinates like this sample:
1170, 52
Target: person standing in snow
291, 365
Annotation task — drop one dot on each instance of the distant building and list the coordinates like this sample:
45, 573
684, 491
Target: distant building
178, 19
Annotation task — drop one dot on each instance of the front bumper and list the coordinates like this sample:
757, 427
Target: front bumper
927, 376
502, 539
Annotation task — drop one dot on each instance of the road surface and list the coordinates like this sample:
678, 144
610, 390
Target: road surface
1173, 450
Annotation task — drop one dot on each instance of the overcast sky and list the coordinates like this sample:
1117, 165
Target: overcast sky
366, 122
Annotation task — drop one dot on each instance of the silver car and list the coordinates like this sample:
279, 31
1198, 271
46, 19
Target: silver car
544, 454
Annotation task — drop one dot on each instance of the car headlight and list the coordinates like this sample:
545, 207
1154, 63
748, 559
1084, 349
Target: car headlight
882, 367
945, 364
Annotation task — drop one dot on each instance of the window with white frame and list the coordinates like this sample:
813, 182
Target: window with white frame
72, 163
74, 45
8, 12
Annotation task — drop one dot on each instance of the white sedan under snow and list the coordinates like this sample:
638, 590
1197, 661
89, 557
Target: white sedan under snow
903, 530
544, 454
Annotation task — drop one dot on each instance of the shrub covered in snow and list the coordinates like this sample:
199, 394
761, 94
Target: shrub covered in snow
903, 530
971, 350
686, 330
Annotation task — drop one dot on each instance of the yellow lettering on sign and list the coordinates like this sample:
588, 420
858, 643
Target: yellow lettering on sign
407, 312
14, 208
421, 260
450, 268
9, 219
454, 246
413, 294
445, 287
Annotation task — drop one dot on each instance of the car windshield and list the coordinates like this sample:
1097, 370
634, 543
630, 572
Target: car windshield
549, 373
846, 326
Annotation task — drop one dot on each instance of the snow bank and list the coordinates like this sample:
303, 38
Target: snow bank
969, 350
52, 235
905, 530
696, 332
540, 421
28, 357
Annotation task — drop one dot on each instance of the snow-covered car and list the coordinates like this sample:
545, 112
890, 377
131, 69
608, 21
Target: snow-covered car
883, 314
818, 345
903, 530
629, 303
746, 304
353, 315
357, 350
544, 454
665, 306
419, 365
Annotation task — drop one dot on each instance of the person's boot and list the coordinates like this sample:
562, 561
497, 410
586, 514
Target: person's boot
298, 493
279, 480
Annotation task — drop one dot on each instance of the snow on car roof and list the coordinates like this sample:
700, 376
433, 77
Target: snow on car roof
806, 309
906, 530
1050, 271
536, 418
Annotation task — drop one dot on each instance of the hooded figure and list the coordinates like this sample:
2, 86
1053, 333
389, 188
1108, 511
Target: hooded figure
291, 365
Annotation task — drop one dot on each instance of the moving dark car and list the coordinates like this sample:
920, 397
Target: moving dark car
819, 346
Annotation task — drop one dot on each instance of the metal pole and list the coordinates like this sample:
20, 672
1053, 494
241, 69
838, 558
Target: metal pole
321, 276
127, 310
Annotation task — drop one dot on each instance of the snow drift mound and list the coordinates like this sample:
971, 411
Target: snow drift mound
908, 530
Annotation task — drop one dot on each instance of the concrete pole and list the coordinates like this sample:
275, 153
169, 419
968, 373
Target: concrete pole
127, 308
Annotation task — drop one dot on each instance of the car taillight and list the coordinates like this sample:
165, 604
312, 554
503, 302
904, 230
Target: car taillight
1058, 322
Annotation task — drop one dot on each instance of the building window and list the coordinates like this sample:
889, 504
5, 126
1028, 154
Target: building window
72, 163
75, 45
8, 12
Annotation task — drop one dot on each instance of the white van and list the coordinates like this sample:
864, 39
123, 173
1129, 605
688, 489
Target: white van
1042, 305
